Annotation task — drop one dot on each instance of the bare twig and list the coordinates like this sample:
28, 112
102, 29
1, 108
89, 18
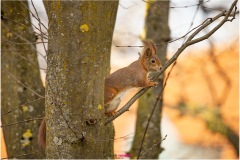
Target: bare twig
29, 61
34, 26
26, 41
37, 18
22, 83
188, 43
128, 46
21, 106
194, 16
20, 43
126, 7
21, 155
23, 25
173, 40
154, 145
227, 15
24, 121
193, 5
186, 33
39, 26
27, 20
186, 6
25, 58
155, 105
123, 137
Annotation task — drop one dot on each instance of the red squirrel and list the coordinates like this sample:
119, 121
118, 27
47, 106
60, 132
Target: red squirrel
133, 76
118, 83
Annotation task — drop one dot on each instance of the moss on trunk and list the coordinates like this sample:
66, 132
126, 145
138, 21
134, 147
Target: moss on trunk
80, 37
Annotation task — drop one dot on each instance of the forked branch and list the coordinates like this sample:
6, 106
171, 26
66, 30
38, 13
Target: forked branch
228, 16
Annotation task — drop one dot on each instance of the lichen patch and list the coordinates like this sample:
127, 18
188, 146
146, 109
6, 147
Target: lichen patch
84, 28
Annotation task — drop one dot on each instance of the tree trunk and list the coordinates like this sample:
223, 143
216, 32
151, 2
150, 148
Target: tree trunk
156, 25
19, 63
80, 36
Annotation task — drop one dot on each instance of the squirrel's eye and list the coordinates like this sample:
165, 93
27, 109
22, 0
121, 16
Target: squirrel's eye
153, 61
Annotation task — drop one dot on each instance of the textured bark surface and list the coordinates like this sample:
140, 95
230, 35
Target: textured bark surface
156, 25
80, 37
19, 60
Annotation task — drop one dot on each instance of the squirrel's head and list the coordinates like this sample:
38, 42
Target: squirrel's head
149, 58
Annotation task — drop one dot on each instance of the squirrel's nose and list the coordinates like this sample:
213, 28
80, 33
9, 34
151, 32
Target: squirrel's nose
160, 68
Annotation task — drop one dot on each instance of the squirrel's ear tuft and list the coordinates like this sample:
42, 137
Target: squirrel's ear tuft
148, 52
153, 46
149, 44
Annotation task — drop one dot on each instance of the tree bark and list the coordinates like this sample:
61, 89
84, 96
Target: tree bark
19, 63
156, 26
80, 37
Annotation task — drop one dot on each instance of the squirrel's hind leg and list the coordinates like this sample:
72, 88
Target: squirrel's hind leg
112, 106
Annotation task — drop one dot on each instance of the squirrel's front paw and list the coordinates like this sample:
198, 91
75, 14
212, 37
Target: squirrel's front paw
110, 113
152, 84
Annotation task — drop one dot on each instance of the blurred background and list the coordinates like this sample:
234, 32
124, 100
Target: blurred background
202, 90
200, 101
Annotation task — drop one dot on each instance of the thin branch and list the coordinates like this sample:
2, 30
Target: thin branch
27, 20
39, 26
20, 43
21, 155
194, 16
123, 137
128, 46
22, 83
224, 13
186, 6
29, 61
155, 105
25, 58
207, 22
37, 18
34, 26
201, 3
21, 106
154, 145
126, 7
27, 41
188, 43
24, 121
170, 41
186, 33
22, 25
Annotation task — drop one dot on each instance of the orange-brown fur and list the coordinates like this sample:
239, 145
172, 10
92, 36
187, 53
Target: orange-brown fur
134, 75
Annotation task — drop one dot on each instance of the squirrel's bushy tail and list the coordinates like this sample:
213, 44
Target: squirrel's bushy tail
42, 134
